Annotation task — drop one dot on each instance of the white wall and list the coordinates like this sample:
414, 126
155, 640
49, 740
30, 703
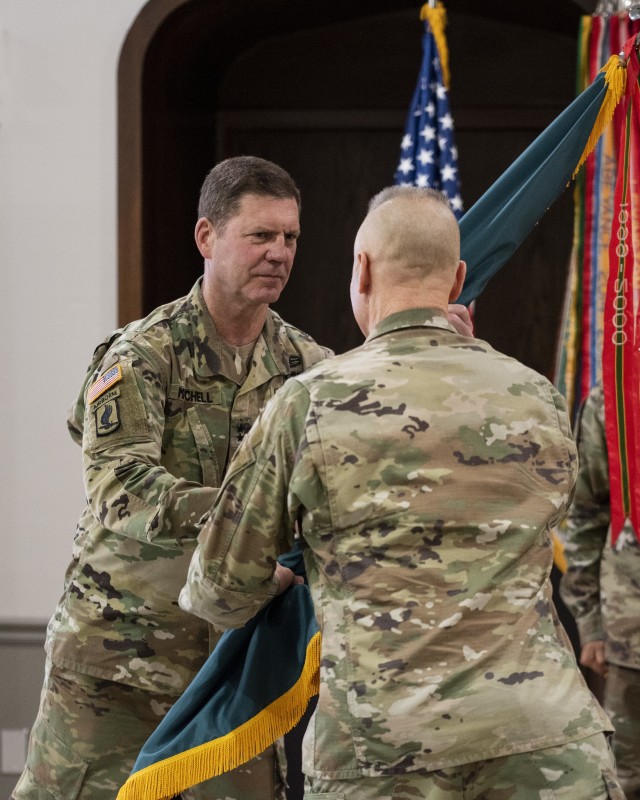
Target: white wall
58, 68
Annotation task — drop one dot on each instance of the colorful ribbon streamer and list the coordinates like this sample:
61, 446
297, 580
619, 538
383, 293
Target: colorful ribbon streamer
620, 357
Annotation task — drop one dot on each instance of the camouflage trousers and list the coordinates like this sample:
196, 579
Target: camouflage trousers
581, 770
622, 704
89, 731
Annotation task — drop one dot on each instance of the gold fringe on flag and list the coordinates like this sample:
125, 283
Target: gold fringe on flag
559, 558
437, 19
167, 778
615, 78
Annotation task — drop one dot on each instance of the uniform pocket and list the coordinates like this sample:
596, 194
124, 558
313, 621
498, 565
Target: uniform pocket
118, 416
53, 764
325, 796
205, 448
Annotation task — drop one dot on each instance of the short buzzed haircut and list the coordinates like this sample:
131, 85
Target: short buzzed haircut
413, 230
415, 192
231, 179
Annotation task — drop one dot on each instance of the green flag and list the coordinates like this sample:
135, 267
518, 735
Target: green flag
497, 224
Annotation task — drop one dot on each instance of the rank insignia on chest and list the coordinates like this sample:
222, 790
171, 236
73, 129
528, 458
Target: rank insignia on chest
242, 429
104, 382
107, 417
295, 365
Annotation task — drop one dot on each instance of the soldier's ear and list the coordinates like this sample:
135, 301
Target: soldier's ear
364, 272
461, 273
204, 236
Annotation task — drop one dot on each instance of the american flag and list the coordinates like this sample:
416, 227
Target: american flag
107, 379
428, 155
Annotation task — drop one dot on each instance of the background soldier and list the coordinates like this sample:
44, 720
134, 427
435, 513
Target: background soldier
424, 471
602, 590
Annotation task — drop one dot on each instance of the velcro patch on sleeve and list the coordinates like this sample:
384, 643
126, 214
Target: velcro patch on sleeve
104, 382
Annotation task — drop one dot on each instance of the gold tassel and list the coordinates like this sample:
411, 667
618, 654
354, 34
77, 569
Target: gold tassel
167, 778
615, 78
559, 558
437, 19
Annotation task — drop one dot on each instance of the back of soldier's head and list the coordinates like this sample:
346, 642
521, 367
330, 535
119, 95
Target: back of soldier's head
230, 180
413, 232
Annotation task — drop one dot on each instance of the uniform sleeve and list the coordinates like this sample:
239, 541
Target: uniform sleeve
127, 488
570, 461
252, 521
588, 522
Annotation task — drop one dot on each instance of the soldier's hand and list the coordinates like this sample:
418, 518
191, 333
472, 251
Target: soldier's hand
592, 656
286, 578
460, 318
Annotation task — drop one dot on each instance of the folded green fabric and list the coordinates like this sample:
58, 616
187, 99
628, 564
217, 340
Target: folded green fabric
497, 224
236, 706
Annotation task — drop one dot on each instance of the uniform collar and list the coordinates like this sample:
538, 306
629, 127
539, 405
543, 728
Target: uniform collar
211, 357
412, 318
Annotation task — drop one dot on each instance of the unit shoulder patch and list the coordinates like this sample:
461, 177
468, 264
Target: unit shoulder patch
107, 417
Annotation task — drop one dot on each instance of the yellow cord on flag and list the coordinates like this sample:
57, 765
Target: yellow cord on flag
615, 78
167, 778
437, 19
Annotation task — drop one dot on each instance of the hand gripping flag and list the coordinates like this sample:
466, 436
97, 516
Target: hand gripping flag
428, 155
237, 704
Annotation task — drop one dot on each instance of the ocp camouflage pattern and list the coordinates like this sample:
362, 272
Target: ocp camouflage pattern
424, 471
155, 446
601, 587
573, 771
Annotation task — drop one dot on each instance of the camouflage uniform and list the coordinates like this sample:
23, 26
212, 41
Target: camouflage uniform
160, 414
424, 471
602, 588
573, 771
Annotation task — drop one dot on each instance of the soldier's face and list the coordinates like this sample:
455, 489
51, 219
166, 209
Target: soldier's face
252, 257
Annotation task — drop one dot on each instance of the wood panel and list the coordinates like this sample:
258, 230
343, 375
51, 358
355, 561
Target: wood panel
339, 162
326, 95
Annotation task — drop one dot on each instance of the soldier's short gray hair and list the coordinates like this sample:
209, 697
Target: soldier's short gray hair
231, 179
409, 192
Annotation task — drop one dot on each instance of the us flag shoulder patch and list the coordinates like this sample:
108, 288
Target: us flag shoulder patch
104, 382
